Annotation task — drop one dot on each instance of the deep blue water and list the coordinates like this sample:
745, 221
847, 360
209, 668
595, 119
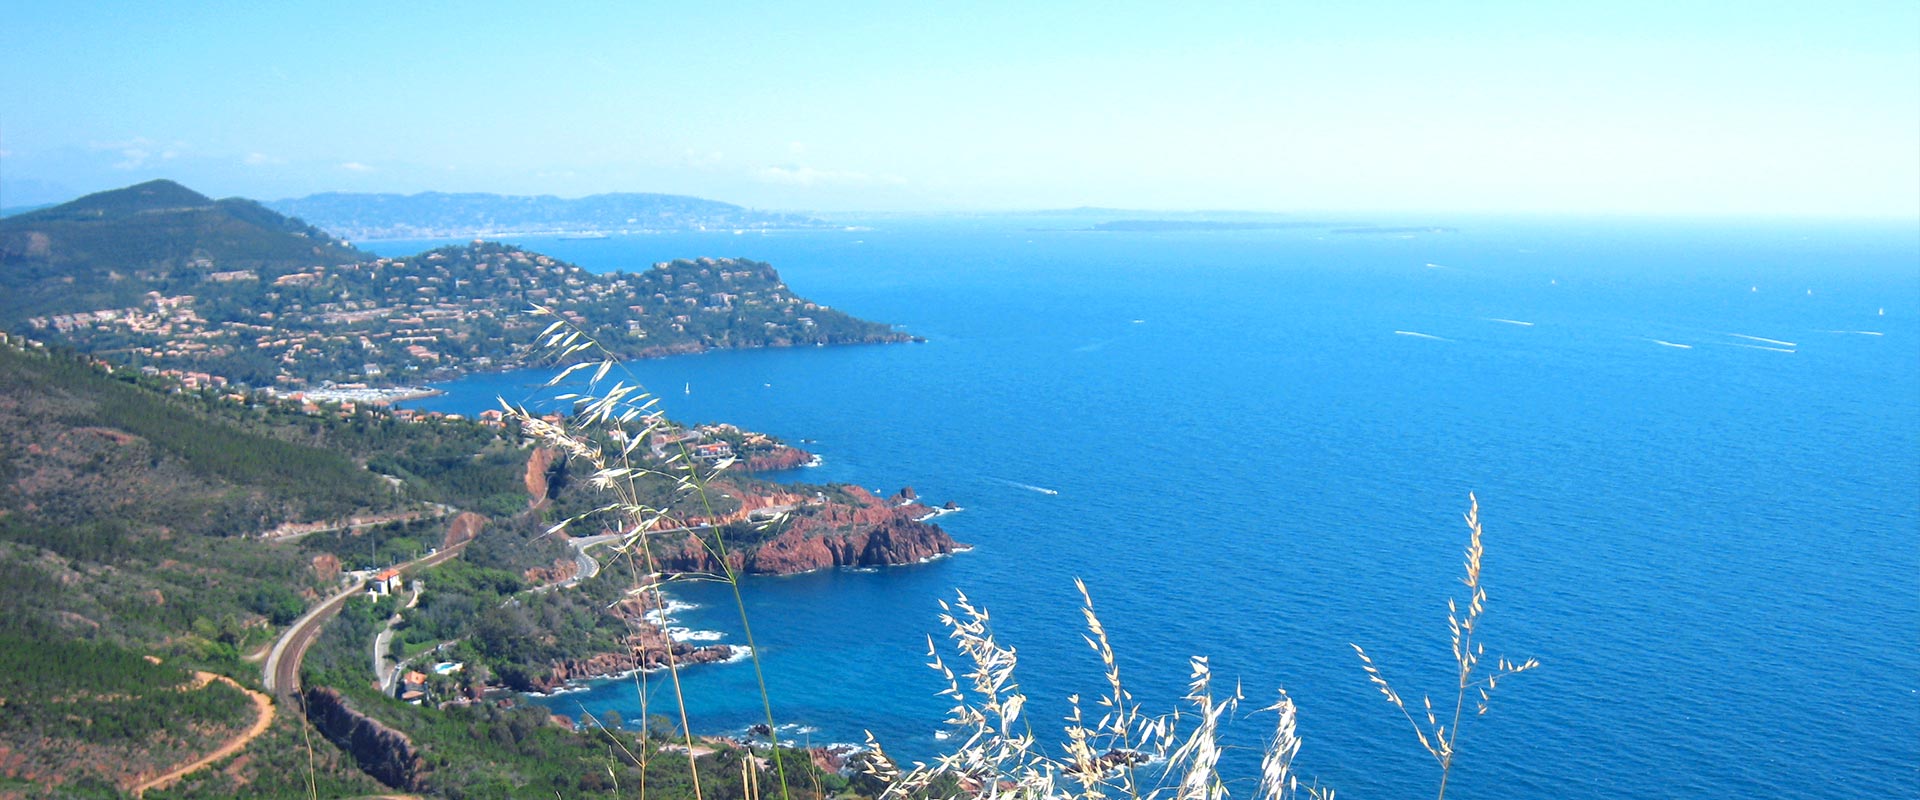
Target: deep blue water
1714, 551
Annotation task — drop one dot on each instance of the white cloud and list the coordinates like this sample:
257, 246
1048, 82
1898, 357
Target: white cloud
261, 160
133, 153
809, 176
138, 152
355, 166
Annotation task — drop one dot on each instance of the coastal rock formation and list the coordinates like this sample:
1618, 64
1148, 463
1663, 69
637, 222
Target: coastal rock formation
386, 754
651, 655
776, 459
648, 647
895, 541
866, 533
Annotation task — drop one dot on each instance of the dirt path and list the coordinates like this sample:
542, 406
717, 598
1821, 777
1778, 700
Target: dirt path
263, 710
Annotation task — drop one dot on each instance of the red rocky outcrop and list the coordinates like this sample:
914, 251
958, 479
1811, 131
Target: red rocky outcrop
639, 656
562, 569
326, 567
538, 465
867, 533
462, 528
776, 459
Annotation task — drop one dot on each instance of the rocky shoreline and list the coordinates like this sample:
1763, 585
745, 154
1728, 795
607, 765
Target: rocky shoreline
866, 532
871, 532
650, 647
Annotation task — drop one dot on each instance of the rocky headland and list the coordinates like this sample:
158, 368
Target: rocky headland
779, 458
863, 531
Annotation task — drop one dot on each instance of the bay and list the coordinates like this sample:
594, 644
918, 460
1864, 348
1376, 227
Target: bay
1697, 466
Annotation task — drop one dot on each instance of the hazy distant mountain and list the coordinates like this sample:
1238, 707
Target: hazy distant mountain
435, 214
108, 249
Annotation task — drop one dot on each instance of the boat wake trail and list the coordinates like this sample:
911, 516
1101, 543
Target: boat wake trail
1762, 339
1510, 322
1860, 333
1764, 347
1419, 335
1027, 486
1671, 344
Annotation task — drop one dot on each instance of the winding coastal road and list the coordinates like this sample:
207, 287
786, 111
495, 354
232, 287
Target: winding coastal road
589, 566
282, 667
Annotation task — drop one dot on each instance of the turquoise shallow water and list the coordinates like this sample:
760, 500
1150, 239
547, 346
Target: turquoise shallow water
1714, 549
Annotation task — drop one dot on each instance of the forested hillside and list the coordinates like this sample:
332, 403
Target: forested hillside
107, 250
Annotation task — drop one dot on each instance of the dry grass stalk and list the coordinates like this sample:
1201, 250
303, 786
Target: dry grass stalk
1440, 740
604, 430
999, 759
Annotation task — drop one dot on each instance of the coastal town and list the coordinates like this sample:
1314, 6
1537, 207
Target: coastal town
388, 322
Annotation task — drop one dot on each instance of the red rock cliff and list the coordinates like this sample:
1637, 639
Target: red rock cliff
868, 533
778, 458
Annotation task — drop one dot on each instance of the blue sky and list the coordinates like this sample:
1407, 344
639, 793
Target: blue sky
1643, 108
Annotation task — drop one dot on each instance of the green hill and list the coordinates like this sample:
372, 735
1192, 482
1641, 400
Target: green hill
135, 505
86, 451
107, 250
159, 276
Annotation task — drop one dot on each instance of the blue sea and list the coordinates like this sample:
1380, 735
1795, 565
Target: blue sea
1696, 445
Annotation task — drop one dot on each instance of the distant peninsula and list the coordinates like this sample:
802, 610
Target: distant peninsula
1379, 230
157, 275
438, 215
1169, 225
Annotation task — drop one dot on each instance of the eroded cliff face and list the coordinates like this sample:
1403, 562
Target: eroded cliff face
386, 754
777, 459
326, 567
868, 533
539, 468
462, 528
895, 541
562, 569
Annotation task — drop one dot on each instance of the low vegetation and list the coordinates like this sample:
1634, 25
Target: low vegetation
88, 718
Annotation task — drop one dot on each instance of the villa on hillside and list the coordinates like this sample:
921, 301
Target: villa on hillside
385, 583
